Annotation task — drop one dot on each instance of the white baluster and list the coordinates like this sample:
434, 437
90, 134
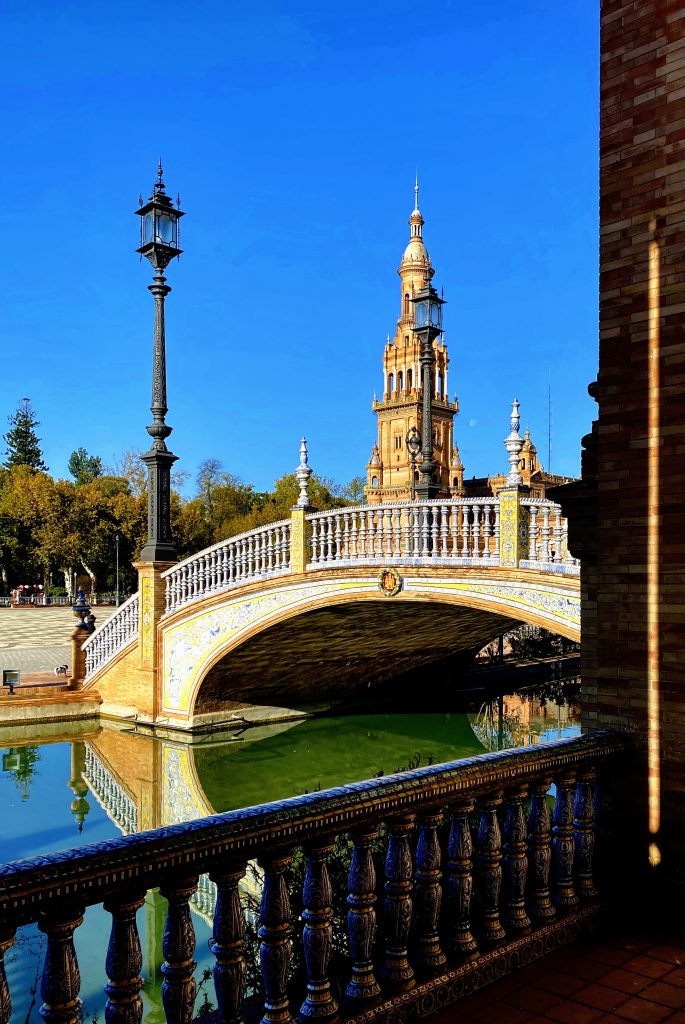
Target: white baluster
425, 532
416, 530
397, 533
362, 535
406, 513
475, 532
330, 536
371, 533
338, 536
545, 533
444, 522
315, 537
487, 530
354, 535
433, 512
346, 534
454, 531
465, 532
269, 550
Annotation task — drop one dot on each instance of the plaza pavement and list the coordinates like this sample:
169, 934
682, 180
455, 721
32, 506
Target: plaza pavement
37, 639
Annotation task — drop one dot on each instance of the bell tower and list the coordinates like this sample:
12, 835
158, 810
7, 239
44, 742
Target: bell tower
389, 470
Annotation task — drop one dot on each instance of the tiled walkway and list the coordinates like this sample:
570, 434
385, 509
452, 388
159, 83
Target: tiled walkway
599, 980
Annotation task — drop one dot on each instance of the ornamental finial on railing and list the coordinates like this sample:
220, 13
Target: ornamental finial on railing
514, 443
302, 474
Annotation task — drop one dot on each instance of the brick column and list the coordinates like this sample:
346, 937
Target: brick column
299, 538
151, 590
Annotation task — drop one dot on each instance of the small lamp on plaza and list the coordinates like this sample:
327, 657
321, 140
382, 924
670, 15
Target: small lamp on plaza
427, 326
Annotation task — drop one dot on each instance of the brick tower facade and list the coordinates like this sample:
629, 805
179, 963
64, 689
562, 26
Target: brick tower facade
627, 513
390, 467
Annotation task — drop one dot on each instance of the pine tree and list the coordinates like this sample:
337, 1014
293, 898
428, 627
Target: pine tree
23, 444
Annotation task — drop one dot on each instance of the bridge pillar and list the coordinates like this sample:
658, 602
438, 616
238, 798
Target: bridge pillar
299, 538
513, 528
151, 588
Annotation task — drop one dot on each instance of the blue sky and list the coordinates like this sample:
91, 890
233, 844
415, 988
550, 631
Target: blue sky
292, 132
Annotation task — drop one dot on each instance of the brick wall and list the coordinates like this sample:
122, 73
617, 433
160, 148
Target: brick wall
634, 597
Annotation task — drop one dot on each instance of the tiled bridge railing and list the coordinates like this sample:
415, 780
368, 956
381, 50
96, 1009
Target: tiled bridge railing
112, 636
472, 835
463, 531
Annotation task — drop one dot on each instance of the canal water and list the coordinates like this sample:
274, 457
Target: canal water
71, 788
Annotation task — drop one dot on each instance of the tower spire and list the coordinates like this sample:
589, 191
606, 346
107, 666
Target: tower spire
416, 192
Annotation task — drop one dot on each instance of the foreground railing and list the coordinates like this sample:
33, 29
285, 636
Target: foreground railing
120, 629
472, 836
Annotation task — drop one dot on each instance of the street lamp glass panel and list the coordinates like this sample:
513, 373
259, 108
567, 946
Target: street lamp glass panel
147, 226
422, 314
166, 233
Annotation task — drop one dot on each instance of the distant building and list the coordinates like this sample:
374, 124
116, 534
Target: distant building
389, 470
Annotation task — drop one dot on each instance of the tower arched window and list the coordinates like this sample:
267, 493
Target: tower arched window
410, 379
406, 303
400, 381
391, 383
441, 386
374, 481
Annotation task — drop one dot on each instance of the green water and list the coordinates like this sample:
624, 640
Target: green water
52, 800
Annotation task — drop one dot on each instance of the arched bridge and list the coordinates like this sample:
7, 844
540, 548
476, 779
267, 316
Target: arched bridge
324, 605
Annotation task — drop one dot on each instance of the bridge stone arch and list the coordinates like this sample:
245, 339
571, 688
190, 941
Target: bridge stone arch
210, 646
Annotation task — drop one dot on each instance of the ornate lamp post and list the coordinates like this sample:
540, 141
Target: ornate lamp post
413, 443
427, 326
159, 237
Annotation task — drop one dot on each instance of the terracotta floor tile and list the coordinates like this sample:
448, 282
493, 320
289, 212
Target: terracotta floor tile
625, 981
676, 976
559, 983
642, 1011
677, 1018
611, 1018
671, 953
669, 995
491, 1012
570, 1012
609, 955
647, 965
584, 967
632, 943
601, 997
534, 1000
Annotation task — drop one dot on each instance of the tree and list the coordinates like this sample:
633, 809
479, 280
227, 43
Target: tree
23, 444
84, 467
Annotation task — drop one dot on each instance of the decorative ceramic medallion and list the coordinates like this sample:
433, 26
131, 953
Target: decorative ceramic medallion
389, 582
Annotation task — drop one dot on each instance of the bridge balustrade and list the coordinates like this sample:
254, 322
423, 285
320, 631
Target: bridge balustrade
256, 554
113, 635
463, 531
455, 874
548, 538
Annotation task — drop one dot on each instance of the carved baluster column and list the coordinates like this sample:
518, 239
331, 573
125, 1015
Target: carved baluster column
429, 956
460, 882
434, 513
6, 940
228, 946
489, 859
539, 853
61, 979
514, 916
178, 947
124, 960
562, 842
274, 932
425, 532
583, 827
361, 918
317, 937
396, 970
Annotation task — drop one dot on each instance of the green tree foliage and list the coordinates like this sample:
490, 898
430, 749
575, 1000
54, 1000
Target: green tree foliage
84, 467
23, 444
63, 528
